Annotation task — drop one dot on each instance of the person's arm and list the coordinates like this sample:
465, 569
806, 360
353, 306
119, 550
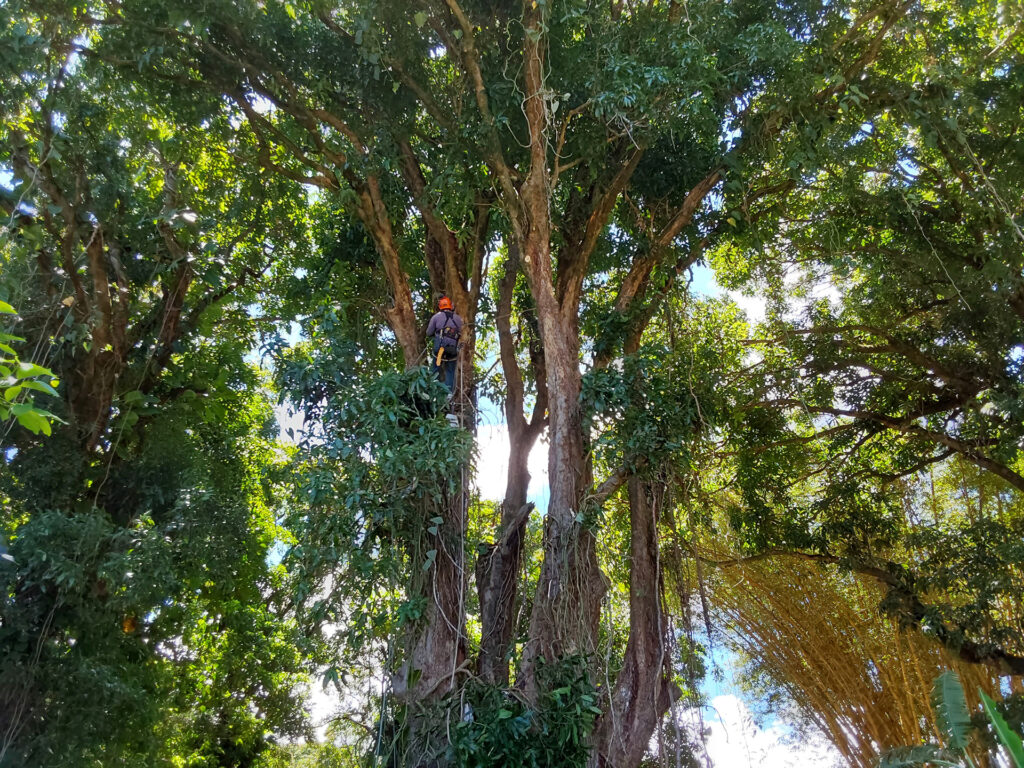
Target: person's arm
431, 329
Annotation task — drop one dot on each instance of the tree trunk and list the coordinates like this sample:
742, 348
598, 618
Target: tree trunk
436, 647
567, 603
643, 690
497, 576
497, 569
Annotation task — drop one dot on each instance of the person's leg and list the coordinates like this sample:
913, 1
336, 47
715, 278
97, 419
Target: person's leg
438, 370
449, 374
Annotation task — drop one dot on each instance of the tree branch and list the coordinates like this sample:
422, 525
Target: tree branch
967, 449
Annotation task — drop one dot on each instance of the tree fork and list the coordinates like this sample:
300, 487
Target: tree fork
498, 569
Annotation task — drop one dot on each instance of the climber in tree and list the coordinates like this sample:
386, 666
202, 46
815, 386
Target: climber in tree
444, 328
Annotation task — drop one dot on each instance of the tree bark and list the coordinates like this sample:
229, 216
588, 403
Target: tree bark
436, 647
497, 569
567, 602
643, 689
401, 316
436, 650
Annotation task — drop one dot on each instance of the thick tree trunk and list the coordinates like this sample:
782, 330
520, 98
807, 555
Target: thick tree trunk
643, 690
567, 603
436, 647
497, 577
436, 650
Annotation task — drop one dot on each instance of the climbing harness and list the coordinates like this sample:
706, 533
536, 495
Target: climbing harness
446, 354
447, 338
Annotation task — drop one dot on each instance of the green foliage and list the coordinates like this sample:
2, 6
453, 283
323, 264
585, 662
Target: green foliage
498, 728
1011, 741
925, 755
19, 381
954, 722
166, 620
376, 467
309, 756
950, 707
156, 162
141, 620
648, 412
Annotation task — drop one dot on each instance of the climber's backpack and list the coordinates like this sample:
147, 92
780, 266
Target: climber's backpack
448, 336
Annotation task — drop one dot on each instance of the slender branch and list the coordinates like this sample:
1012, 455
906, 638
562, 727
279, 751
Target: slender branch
560, 143
613, 483
471, 61
514, 415
907, 425
572, 262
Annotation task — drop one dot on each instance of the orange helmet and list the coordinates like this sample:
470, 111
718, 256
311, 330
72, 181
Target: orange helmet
444, 303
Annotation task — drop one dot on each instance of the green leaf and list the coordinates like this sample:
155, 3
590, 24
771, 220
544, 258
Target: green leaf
12, 392
39, 386
330, 676
1012, 741
7, 309
34, 422
905, 757
431, 556
420, 18
28, 370
951, 713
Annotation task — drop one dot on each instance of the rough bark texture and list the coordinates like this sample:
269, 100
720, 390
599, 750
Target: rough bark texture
643, 690
566, 606
497, 580
436, 649
401, 316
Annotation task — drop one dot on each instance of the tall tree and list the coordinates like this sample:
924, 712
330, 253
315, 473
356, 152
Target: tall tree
891, 346
607, 148
141, 619
366, 98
